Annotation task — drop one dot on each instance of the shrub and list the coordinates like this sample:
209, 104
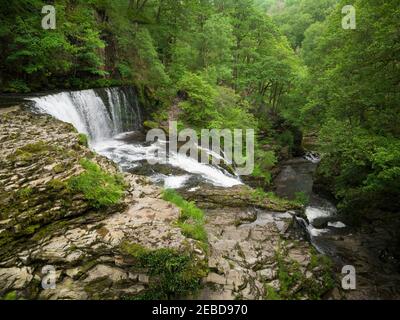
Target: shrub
264, 162
286, 139
199, 108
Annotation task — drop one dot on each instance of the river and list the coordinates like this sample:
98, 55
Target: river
112, 119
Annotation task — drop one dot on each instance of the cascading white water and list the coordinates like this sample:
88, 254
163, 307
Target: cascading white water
103, 114
87, 111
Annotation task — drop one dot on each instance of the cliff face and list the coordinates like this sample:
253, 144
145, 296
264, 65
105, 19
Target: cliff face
63, 206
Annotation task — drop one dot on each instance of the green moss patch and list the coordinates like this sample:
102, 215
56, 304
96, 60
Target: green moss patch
30, 151
99, 187
295, 285
275, 202
12, 295
83, 140
174, 274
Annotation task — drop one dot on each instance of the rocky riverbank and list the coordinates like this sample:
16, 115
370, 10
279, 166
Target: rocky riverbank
110, 235
43, 222
257, 250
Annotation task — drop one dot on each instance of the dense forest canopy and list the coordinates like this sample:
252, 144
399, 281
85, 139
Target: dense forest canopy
270, 64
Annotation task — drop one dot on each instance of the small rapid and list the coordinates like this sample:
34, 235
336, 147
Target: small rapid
112, 119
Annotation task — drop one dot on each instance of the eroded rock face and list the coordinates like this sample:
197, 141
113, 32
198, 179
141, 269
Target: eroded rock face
255, 245
42, 223
249, 256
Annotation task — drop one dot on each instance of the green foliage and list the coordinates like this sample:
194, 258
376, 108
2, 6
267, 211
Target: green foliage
177, 273
12, 295
216, 43
302, 198
15, 86
294, 284
44, 58
354, 97
191, 220
99, 188
364, 170
286, 139
232, 111
199, 108
271, 293
297, 16
83, 140
264, 162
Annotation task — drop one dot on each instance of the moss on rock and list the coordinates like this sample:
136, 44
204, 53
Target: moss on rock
100, 188
174, 274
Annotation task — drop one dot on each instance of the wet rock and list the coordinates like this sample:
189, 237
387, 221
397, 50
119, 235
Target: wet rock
101, 271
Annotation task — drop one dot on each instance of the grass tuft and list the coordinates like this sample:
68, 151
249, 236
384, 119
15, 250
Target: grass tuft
192, 218
177, 273
99, 188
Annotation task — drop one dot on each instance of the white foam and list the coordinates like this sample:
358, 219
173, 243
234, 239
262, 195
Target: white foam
313, 213
88, 113
337, 224
314, 232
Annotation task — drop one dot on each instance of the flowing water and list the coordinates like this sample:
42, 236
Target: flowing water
112, 120
322, 220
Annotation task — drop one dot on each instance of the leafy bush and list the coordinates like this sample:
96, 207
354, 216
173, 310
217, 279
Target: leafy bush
302, 198
286, 139
264, 162
16, 86
199, 108
364, 169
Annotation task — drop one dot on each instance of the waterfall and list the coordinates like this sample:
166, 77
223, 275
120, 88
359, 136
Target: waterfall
99, 113
109, 116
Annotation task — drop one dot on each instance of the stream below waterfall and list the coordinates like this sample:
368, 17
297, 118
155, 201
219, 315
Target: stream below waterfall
377, 274
112, 119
